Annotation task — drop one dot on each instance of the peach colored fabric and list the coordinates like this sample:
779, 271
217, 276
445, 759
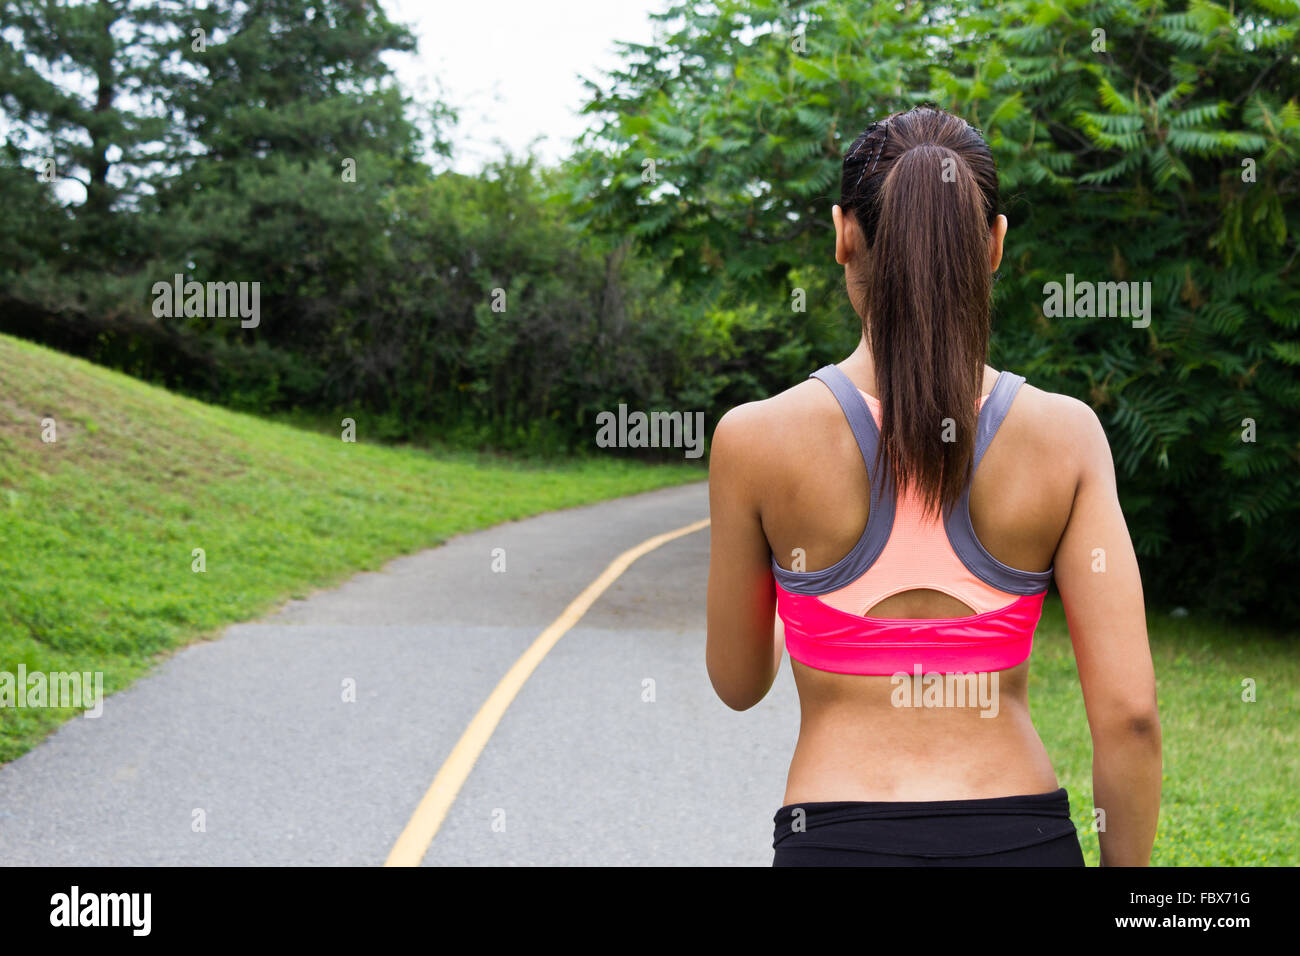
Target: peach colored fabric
917, 555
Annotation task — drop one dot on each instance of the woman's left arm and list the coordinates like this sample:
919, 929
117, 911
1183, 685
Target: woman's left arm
743, 651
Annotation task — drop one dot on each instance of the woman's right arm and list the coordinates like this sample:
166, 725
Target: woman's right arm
1097, 574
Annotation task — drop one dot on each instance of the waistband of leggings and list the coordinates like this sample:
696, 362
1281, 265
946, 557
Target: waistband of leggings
1055, 803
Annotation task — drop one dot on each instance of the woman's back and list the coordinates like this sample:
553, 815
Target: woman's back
855, 742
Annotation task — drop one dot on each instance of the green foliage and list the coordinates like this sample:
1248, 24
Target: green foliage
1123, 156
466, 308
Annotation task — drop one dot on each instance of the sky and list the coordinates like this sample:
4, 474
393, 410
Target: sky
511, 67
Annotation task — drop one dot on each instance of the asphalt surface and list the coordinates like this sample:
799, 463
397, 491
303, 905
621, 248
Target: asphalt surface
243, 750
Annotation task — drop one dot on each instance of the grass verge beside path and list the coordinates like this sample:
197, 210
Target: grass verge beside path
98, 528
1231, 788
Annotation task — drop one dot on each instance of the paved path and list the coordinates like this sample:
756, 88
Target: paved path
252, 729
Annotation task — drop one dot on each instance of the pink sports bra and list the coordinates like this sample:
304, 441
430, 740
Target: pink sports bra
902, 549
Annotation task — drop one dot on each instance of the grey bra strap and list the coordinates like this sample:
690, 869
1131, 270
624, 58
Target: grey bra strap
880, 519
961, 532
861, 421
993, 411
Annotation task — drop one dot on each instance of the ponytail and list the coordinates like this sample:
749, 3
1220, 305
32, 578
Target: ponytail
929, 201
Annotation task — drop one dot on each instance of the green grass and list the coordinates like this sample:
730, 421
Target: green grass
97, 529
1231, 794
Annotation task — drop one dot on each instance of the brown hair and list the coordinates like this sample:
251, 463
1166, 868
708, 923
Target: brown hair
923, 188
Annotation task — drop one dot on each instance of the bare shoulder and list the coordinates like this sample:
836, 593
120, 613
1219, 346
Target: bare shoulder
1059, 426
755, 431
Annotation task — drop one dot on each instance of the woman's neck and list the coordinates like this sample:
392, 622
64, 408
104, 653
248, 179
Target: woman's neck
860, 367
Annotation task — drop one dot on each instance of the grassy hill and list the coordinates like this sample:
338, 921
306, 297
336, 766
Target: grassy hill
98, 528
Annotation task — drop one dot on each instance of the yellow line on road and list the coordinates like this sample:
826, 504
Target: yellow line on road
412, 845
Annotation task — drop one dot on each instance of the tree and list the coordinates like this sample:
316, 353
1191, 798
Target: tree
1137, 141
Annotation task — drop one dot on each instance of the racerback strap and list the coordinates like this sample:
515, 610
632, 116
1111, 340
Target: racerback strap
957, 523
880, 520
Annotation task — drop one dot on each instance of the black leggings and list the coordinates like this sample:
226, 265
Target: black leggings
1031, 830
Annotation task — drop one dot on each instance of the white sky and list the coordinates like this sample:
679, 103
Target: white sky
511, 67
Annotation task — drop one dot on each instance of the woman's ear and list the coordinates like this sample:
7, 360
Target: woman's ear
844, 236
997, 232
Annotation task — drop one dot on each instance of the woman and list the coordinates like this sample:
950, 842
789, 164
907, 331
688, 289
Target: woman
901, 515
